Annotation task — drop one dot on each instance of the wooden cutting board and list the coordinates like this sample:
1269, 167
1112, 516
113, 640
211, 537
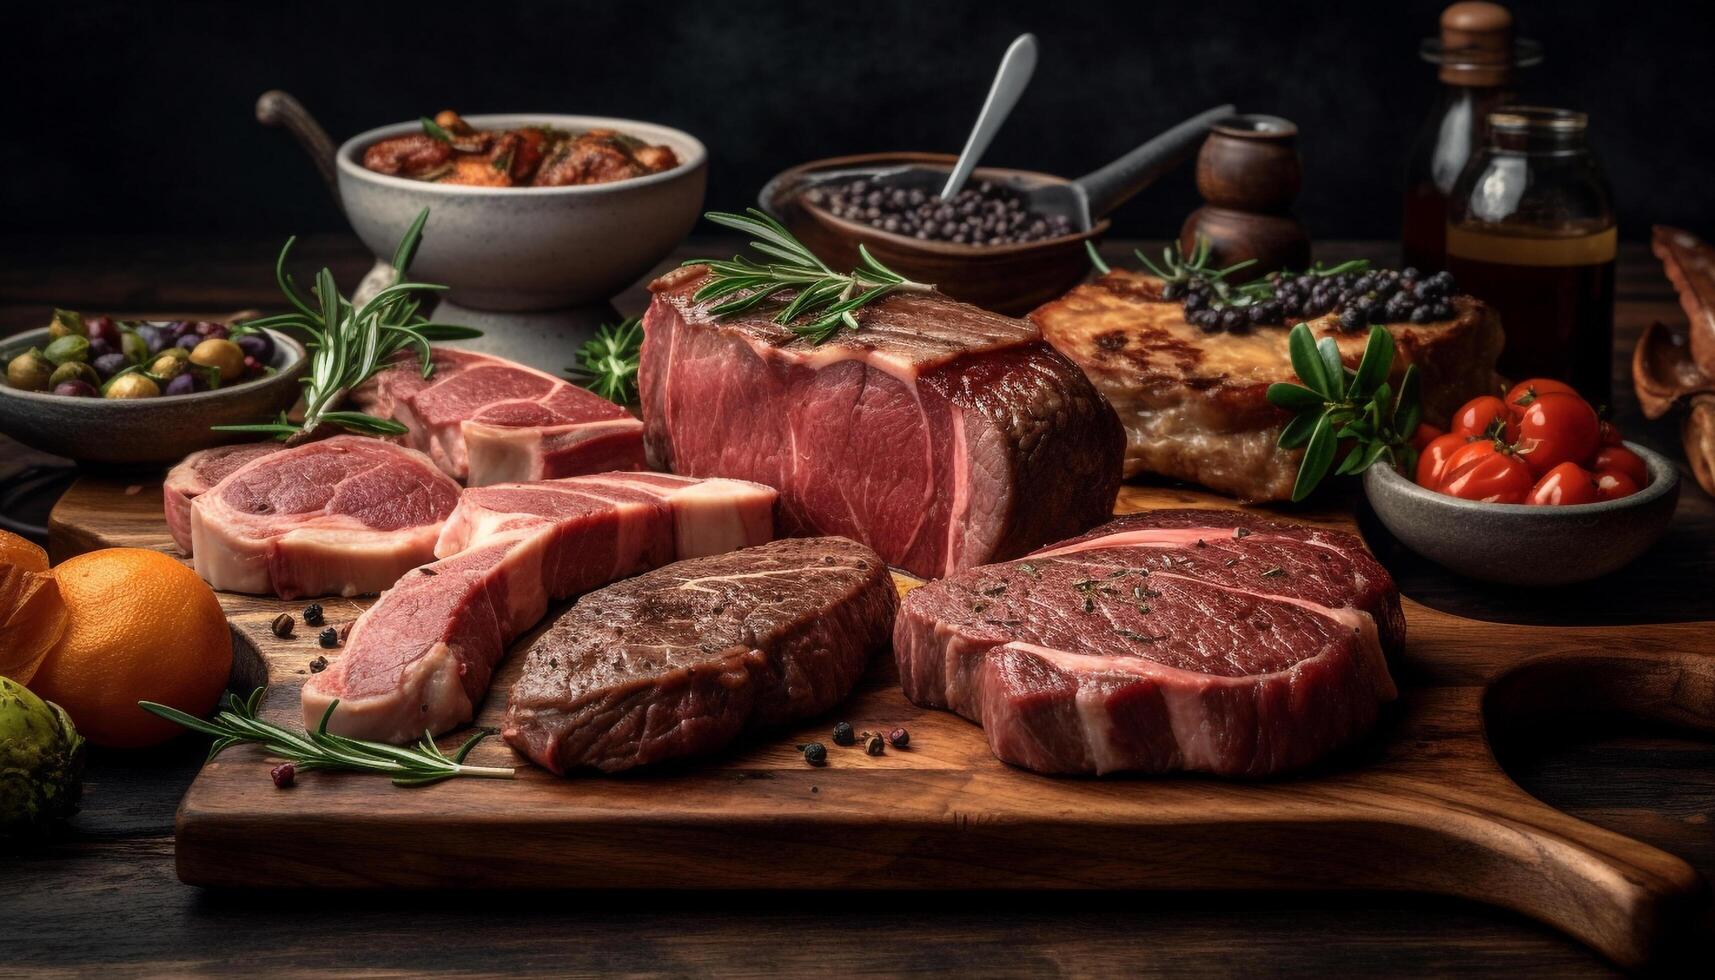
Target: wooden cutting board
1419, 806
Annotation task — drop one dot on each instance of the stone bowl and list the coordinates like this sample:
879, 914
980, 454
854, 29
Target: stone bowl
529, 248
1517, 544
115, 433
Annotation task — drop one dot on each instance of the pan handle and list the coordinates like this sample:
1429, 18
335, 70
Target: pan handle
1115, 183
279, 110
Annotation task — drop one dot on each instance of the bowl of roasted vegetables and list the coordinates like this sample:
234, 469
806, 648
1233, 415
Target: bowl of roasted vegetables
112, 392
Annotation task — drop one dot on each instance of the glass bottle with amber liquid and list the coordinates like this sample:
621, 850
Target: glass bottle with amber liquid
1530, 231
1477, 61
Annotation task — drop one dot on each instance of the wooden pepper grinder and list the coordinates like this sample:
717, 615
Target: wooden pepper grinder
1248, 173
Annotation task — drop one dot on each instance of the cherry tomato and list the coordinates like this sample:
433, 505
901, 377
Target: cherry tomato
1432, 459
1624, 460
1557, 428
1489, 471
1567, 483
1425, 435
1525, 392
1611, 434
1613, 484
1476, 417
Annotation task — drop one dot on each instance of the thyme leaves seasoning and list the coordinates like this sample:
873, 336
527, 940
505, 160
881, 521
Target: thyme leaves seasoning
824, 301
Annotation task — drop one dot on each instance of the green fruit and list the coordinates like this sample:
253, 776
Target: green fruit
66, 323
131, 386
133, 346
74, 371
30, 371
41, 761
68, 348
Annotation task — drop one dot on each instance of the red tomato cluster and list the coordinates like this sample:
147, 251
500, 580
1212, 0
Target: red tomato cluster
1541, 444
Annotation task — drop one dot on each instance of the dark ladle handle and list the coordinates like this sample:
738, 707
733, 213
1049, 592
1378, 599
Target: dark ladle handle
278, 109
1115, 183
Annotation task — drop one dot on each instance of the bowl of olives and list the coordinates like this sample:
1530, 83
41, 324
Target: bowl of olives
120, 393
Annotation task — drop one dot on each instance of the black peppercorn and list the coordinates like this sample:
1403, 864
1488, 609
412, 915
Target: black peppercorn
899, 738
328, 638
283, 775
313, 614
815, 753
318, 665
875, 746
843, 734
282, 625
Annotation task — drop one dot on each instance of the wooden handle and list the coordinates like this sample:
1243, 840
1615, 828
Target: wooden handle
278, 109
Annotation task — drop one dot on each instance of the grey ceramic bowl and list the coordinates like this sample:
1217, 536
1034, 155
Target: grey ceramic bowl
1515, 544
530, 248
118, 433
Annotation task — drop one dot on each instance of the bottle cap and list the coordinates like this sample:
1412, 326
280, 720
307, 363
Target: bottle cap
1476, 46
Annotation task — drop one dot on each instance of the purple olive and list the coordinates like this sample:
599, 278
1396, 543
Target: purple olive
100, 347
77, 389
155, 336
185, 384
108, 365
102, 328
208, 328
258, 345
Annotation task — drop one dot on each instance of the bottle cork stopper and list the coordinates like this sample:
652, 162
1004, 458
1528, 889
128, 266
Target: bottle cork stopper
1476, 44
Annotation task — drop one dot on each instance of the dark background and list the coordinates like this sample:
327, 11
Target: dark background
130, 116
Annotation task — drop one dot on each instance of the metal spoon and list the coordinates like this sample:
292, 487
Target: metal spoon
1010, 80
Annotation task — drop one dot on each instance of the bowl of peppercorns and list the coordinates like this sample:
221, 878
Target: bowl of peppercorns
983, 246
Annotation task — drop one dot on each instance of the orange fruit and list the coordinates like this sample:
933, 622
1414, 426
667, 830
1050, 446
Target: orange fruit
140, 626
22, 553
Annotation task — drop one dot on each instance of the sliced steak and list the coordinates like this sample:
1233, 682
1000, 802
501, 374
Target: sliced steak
1207, 640
343, 516
488, 420
680, 661
422, 657
199, 473
940, 435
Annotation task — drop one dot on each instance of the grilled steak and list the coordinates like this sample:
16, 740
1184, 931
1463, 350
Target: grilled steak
1206, 640
487, 420
940, 435
1194, 404
422, 657
343, 516
199, 473
680, 661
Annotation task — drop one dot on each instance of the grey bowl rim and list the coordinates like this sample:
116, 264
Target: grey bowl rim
1664, 477
346, 156
16, 343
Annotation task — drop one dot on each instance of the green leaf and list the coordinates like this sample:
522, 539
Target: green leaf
1408, 411
1096, 258
1297, 432
1301, 347
1329, 351
435, 130
1377, 362
1294, 398
1318, 456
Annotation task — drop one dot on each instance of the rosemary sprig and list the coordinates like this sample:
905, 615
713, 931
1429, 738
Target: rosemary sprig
827, 299
349, 344
1336, 403
1182, 272
418, 765
607, 363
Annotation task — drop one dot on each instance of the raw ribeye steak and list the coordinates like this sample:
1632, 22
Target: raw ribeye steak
680, 661
488, 420
343, 516
199, 473
422, 657
941, 435
1208, 640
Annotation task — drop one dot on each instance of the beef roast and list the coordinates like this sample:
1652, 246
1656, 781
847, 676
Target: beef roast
343, 516
199, 473
940, 435
488, 420
680, 661
422, 657
1206, 640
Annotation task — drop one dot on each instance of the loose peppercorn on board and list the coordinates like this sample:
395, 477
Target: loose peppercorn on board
1419, 805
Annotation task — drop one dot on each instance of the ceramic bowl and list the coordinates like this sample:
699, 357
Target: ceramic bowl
140, 432
1012, 279
529, 248
1515, 544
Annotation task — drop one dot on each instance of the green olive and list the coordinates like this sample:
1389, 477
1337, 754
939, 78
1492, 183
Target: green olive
74, 371
66, 323
133, 346
136, 385
222, 355
68, 348
168, 364
29, 371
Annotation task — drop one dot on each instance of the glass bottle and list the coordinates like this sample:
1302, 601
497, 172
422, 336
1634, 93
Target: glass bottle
1531, 232
1477, 58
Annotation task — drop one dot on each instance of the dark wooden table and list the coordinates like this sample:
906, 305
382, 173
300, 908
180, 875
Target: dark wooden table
103, 894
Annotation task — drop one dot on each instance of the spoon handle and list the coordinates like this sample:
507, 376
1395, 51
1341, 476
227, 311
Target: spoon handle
1115, 183
1016, 67
279, 109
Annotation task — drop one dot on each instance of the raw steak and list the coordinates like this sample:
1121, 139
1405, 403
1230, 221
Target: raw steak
486, 420
343, 516
1207, 640
199, 473
422, 656
940, 435
680, 661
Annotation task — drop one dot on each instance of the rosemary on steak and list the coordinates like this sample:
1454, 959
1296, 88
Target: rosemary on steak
824, 301
607, 363
349, 344
1336, 403
419, 765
